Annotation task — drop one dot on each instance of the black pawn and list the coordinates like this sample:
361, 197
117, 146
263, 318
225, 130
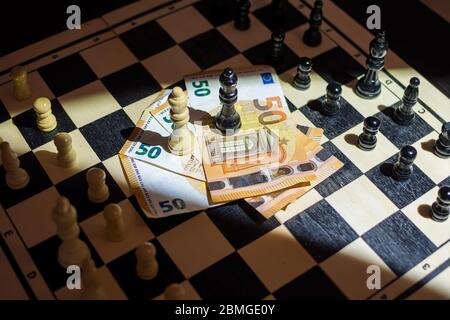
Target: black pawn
277, 46
403, 168
332, 102
312, 37
241, 19
404, 114
369, 86
368, 140
302, 79
442, 145
441, 207
228, 120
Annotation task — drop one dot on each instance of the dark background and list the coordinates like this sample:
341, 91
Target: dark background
415, 33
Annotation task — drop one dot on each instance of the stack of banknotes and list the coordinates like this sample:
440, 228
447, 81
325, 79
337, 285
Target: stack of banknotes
270, 162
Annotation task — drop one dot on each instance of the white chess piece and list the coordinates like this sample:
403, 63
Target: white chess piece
72, 250
146, 266
181, 140
174, 291
115, 226
21, 87
16, 177
66, 154
98, 191
46, 121
92, 284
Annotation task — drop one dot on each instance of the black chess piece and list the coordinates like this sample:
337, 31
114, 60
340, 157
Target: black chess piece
277, 46
367, 139
332, 102
369, 86
404, 114
312, 37
403, 168
228, 120
441, 207
279, 8
241, 19
302, 79
442, 145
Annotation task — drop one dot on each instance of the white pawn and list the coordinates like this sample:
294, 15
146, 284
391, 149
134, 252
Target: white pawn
21, 87
16, 177
181, 140
98, 191
115, 226
72, 250
66, 154
146, 266
46, 121
174, 291
93, 288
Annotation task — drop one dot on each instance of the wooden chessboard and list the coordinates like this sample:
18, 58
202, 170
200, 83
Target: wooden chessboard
101, 78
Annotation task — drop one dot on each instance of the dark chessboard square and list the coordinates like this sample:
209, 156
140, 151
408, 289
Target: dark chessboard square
260, 55
292, 19
311, 285
445, 182
180, 84
26, 123
399, 243
400, 135
147, 40
342, 177
217, 12
161, 225
220, 48
107, 135
338, 66
39, 181
238, 225
401, 193
67, 74
45, 256
75, 189
334, 125
321, 230
124, 271
131, 84
4, 114
230, 278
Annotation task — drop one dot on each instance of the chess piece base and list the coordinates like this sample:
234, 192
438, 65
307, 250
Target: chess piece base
400, 175
76, 257
181, 143
17, 180
368, 91
401, 119
441, 151
228, 124
48, 124
366, 146
148, 273
312, 38
302, 85
98, 199
436, 215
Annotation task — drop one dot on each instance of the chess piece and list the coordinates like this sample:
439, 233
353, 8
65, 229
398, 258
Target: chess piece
302, 79
277, 46
181, 140
146, 266
16, 177
98, 191
404, 114
21, 87
93, 289
332, 103
369, 86
66, 154
440, 209
72, 250
312, 37
241, 19
174, 291
368, 139
46, 121
442, 145
403, 168
115, 225
228, 120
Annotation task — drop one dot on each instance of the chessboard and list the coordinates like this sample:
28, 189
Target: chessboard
101, 78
